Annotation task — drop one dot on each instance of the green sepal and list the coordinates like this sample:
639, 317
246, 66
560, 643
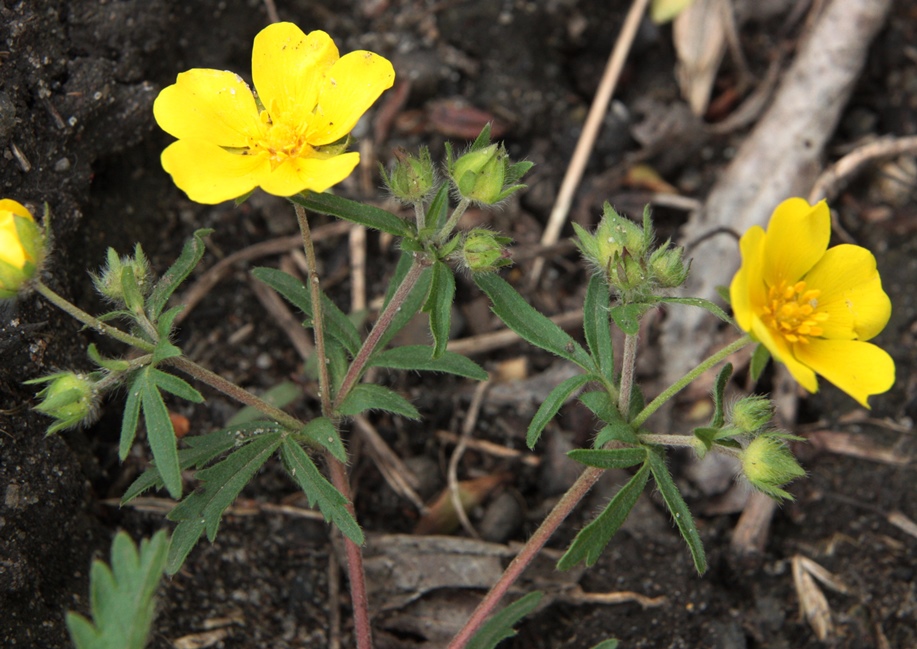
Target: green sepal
609, 458
596, 326
499, 626
368, 396
331, 502
322, 431
759, 360
122, 598
419, 358
439, 306
678, 508
190, 256
359, 213
552, 405
592, 539
530, 324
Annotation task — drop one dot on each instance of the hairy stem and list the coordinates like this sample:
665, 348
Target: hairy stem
443, 234
355, 371
528, 552
681, 383
628, 368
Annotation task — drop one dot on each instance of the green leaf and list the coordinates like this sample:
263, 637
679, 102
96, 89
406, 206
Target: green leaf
164, 324
707, 305
175, 385
222, 482
359, 213
133, 298
419, 358
337, 324
439, 306
592, 539
189, 258
368, 396
111, 364
678, 508
627, 316
499, 626
707, 436
331, 502
759, 360
163, 350
596, 326
184, 538
438, 212
617, 428
322, 430
551, 405
131, 417
611, 643
719, 389
122, 597
279, 396
609, 458
160, 434
531, 325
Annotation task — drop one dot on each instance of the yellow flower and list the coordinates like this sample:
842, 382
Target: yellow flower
289, 138
21, 247
812, 307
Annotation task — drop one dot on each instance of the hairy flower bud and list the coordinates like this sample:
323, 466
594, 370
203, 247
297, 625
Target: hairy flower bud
769, 464
116, 286
483, 251
22, 247
750, 414
667, 266
484, 173
70, 398
412, 178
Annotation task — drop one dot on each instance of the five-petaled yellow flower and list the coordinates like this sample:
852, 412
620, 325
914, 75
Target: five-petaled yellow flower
290, 138
814, 307
21, 247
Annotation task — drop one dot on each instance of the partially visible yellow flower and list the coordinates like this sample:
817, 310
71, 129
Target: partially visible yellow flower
290, 138
21, 247
811, 307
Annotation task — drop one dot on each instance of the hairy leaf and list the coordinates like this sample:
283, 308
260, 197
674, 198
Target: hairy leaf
160, 434
596, 326
719, 389
678, 508
189, 258
551, 405
707, 305
131, 418
439, 306
175, 385
419, 358
368, 396
759, 360
322, 430
499, 626
359, 213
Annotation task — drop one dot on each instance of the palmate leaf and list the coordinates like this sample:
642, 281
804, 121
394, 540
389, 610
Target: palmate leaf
221, 483
318, 490
359, 213
678, 508
499, 627
419, 358
551, 406
596, 326
122, 597
592, 539
530, 324
200, 451
189, 258
439, 306
368, 396
337, 324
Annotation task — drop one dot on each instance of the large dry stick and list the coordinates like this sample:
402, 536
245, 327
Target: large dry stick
781, 158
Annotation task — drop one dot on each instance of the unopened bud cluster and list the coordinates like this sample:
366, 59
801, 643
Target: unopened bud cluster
623, 253
125, 280
70, 398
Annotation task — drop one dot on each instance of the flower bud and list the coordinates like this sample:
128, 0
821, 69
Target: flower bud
752, 413
667, 266
22, 247
412, 177
70, 398
617, 249
113, 284
484, 252
484, 174
769, 464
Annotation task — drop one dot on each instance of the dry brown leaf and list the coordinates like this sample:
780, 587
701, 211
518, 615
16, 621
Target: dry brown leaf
699, 35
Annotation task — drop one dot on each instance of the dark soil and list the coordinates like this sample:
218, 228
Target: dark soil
77, 81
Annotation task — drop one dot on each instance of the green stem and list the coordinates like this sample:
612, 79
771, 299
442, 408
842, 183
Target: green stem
91, 321
628, 369
457, 213
680, 384
418, 266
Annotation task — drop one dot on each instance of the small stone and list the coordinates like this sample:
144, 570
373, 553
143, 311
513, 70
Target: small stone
62, 165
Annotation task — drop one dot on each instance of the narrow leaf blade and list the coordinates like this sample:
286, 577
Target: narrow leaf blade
499, 626
678, 508
596, 326
439, 306
419, 358
359, 213
368, 396
161, 436
189, 258
551, 406
609, 458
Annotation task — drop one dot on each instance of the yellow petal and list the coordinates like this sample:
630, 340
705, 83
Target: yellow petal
781, 351
209, 174
288, 68
797, 237
747, 290
851, 293
9, 205
352, 85
11, 250
299, 174
210, 105
859, 369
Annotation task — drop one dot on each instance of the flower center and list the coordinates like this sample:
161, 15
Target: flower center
792, 311
282, 140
